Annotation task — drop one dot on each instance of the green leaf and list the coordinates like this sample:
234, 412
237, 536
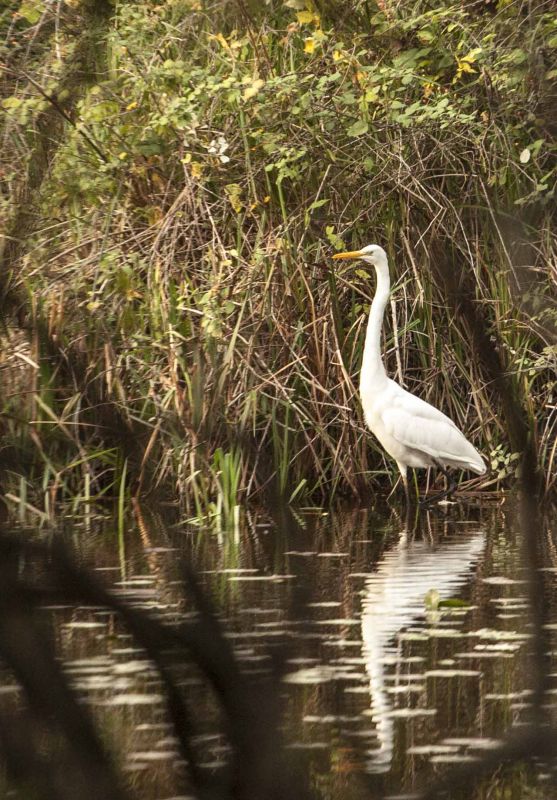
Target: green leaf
453, 602
334, 239
11, 102
426, 36
31, 10
319, 203
358, 128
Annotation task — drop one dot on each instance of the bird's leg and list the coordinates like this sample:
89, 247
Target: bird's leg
406, 487
446, 492
404, 477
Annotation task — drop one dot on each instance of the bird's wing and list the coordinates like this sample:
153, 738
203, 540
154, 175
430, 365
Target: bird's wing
419, 426
409, 403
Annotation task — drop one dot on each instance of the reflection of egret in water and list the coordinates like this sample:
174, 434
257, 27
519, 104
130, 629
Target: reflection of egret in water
393, 598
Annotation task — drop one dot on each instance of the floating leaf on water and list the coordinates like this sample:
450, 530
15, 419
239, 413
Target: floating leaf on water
445, 633
307, 746
328, 719
84, 625
408, 677
310, 675
329, 604
484, 654
402, 797
431, 749
491, 633
235, 570
454, 602
152, 755
452, 673
409, 688
254, 578
333, 555
508, 695
155, 726
477, 742
129, 667
410, 713
343, 643
452, 759
135, 700
94, 662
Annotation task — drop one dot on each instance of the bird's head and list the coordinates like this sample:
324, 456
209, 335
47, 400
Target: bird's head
372, 254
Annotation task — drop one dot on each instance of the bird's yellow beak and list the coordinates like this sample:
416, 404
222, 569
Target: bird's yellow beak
351, 254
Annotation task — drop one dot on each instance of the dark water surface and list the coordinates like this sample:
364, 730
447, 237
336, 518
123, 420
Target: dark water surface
410, 651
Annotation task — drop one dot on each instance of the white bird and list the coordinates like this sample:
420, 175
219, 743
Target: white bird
412, 431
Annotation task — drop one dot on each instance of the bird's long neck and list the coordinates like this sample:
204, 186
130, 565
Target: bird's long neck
373, 369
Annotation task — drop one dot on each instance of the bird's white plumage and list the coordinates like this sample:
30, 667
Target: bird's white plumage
413, 432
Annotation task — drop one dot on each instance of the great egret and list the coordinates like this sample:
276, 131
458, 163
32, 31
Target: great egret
412, 431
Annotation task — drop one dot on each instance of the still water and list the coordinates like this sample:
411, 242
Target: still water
406, 641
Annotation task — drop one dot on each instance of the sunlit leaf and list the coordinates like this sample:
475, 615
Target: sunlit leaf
358, 128
31, 10
234, 194
253, 88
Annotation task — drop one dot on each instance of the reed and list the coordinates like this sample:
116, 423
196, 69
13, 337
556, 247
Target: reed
181, 310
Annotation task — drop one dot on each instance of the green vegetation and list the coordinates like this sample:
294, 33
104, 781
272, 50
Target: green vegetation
176, 177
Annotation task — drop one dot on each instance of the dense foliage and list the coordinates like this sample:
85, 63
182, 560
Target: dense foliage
177, 176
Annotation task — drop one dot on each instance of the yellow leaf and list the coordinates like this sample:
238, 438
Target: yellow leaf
196, 169
253, 88
309, 45
154, 214
464, 66
337, 55
234, 193
220, 39
131, 106
472, 55
308, 18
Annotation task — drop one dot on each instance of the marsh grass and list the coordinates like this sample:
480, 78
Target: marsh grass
190, 323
